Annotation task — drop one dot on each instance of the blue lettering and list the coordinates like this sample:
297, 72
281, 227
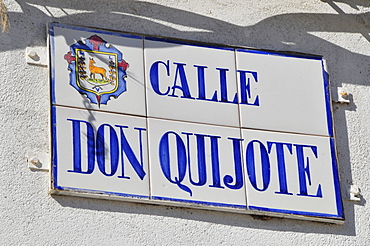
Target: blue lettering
245, 87
265, 162
201, 157
164, 159
281, 164
137, 165
154, 76
100, 150
180, 72
201, 82
180, 87
215, 162
237, 166
223, 86
76, 132
304, 170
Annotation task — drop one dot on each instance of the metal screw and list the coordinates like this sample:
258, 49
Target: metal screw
33, 55
344, 94
35, 161
355, 193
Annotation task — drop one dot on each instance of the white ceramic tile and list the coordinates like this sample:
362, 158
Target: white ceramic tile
301, 182
290, 92
131, 101
182, 170
119, 162
183, 79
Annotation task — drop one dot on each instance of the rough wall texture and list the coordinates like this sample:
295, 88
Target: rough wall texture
338, 30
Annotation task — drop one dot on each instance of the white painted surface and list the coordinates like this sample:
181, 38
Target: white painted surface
30, 217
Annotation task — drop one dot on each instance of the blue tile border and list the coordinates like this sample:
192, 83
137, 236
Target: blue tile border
52, 63
337, 188
54, 153
216, 204
273, 210
279, 53
189, 43
54, 169
99, 192
329, 116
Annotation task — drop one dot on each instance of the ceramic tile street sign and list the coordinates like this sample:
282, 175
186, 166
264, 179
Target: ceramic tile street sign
170, 122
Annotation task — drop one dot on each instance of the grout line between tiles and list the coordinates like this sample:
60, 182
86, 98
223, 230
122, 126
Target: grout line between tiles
147, 121
192, 122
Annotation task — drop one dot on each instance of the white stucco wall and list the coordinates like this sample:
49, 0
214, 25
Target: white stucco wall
29, 216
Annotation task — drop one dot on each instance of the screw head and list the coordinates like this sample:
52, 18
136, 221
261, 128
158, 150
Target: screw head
35, 161
33, 55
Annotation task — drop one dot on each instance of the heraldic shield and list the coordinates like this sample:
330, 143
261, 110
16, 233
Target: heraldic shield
97, 69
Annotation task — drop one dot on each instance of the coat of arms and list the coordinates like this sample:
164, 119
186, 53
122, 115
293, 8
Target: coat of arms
97, 69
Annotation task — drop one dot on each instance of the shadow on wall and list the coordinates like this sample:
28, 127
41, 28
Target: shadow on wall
284, 32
